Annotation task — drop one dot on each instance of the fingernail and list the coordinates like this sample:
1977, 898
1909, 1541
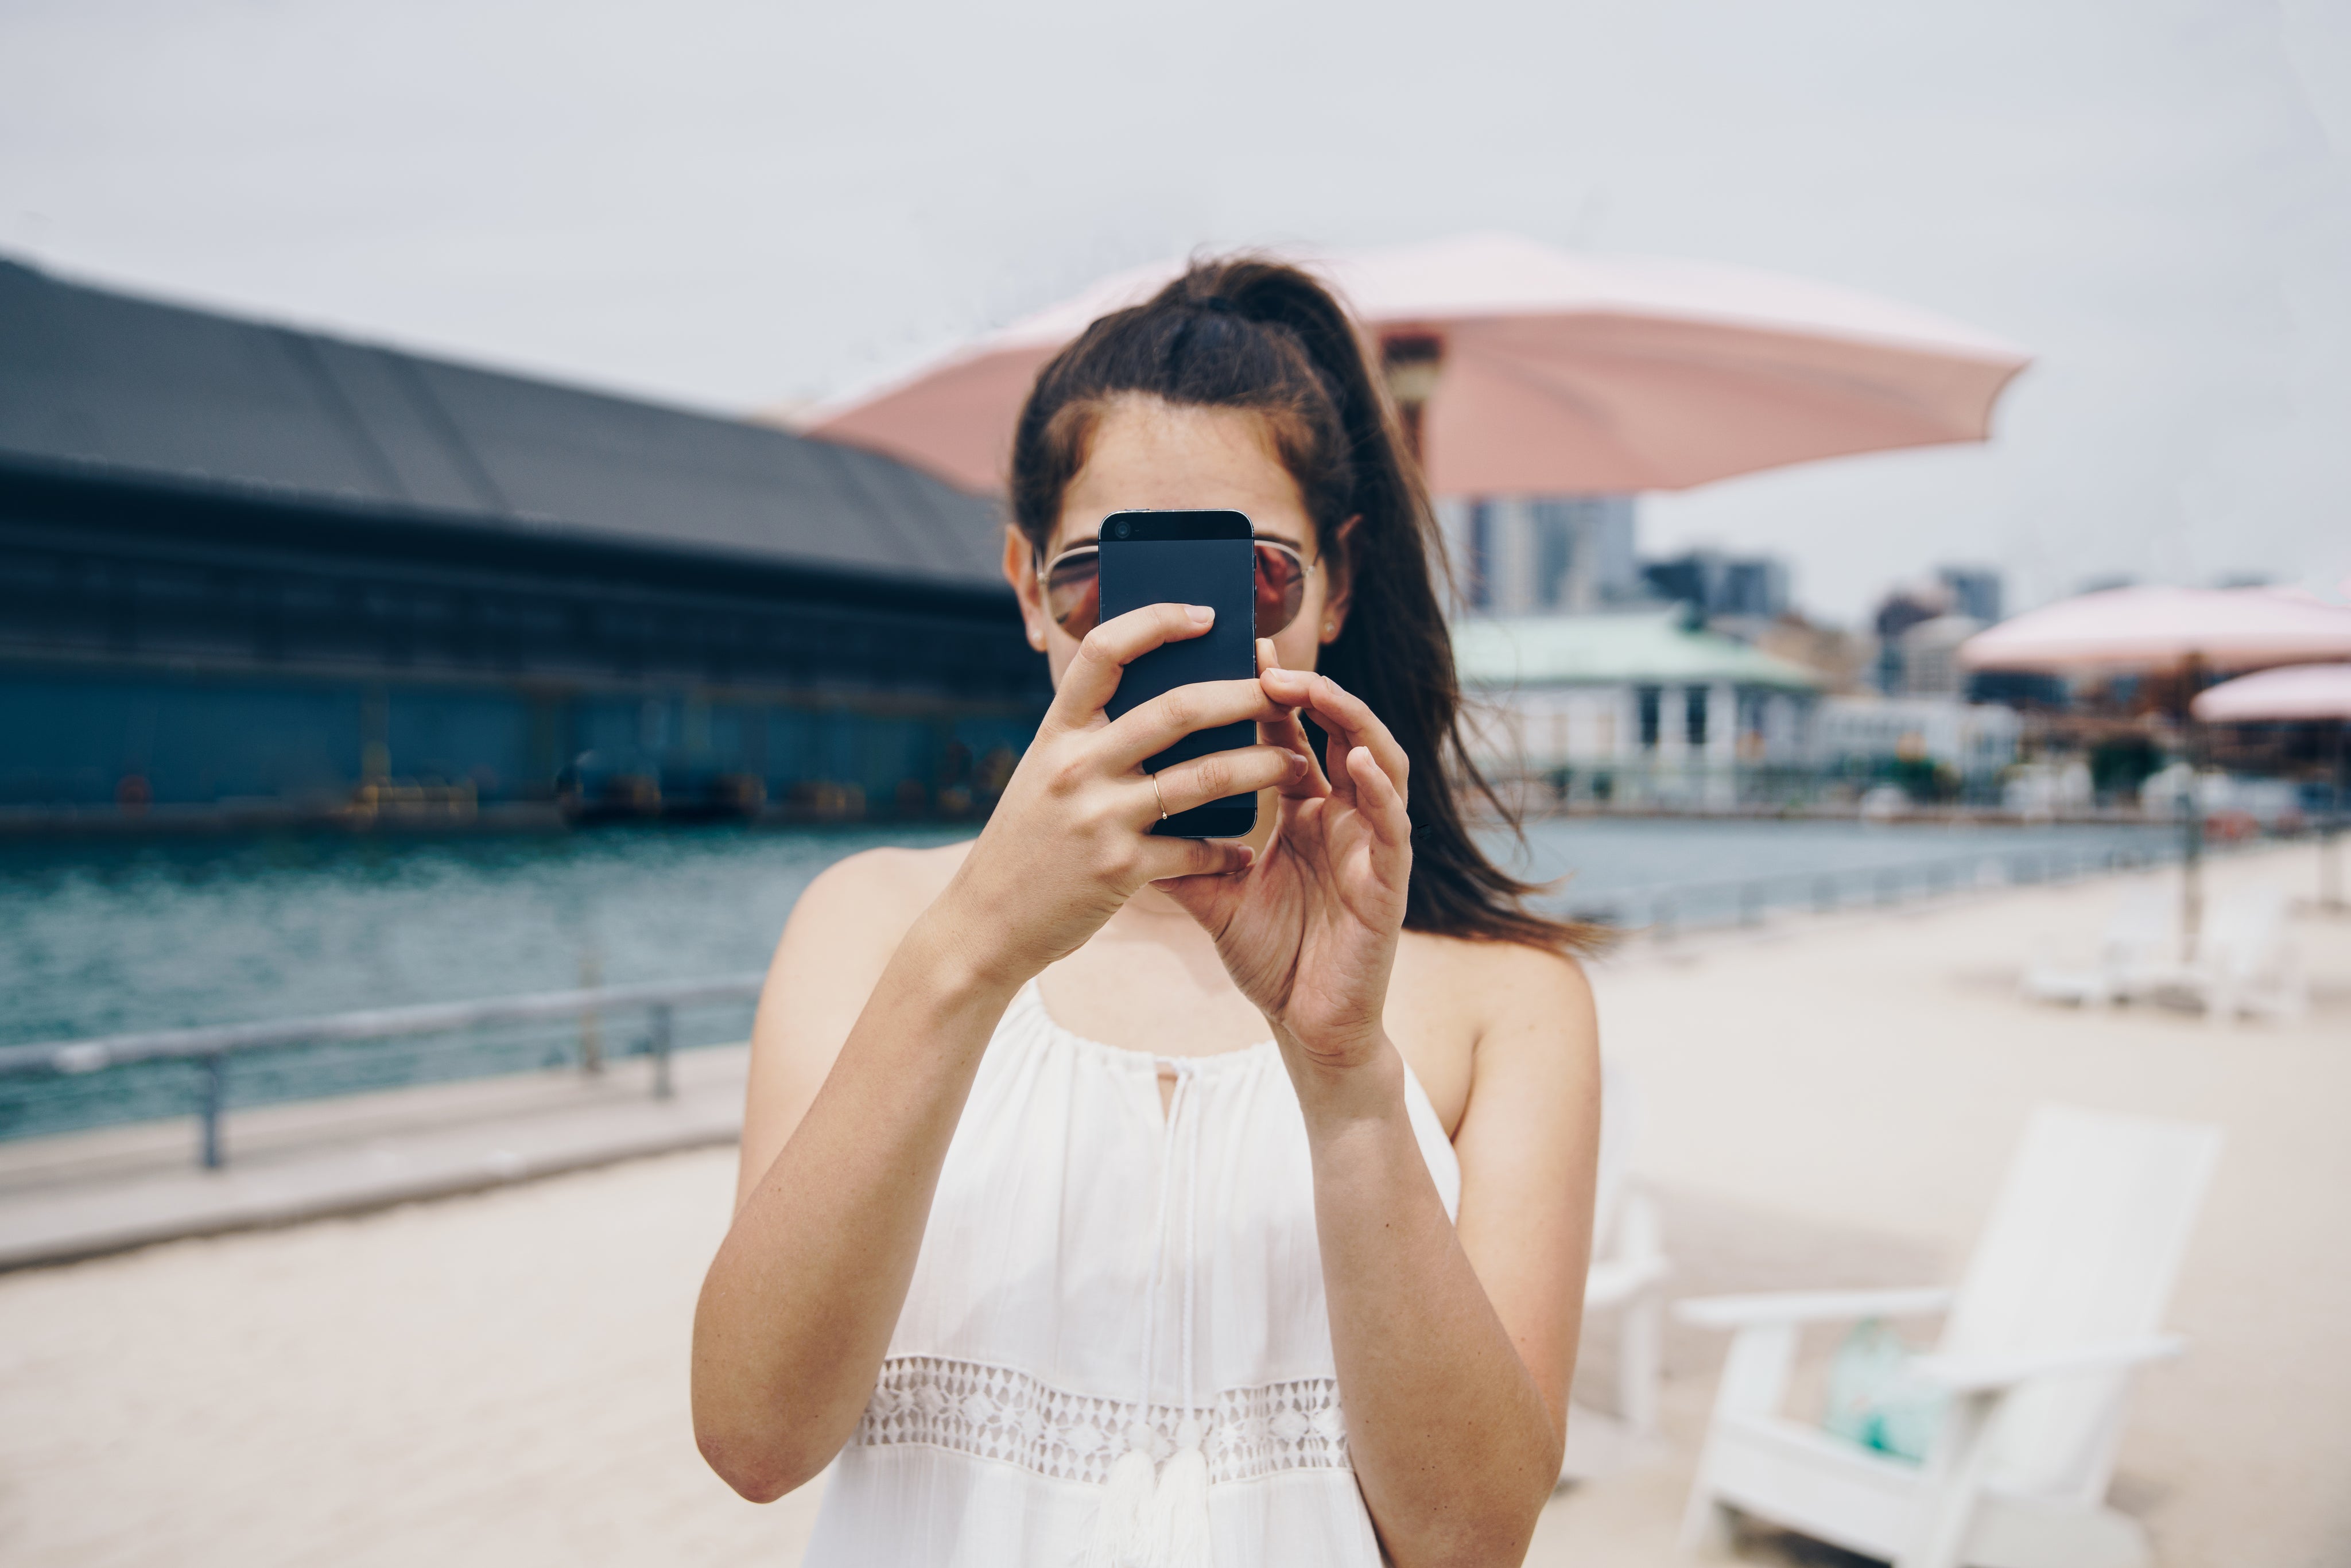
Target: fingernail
1201, 614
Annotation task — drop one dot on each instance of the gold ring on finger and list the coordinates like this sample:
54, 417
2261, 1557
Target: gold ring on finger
1158, 796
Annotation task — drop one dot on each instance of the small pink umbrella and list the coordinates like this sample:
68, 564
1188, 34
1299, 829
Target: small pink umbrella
2289, 693
2295, 694
2161, 628
1528, 370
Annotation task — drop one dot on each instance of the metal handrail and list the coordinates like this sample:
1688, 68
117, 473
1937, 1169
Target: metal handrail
71, 1056
1750, 895
214, 1045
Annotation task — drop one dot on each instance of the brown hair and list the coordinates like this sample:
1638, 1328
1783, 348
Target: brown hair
1254, 334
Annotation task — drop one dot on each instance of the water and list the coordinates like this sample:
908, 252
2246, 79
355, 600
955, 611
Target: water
101, 939
105, 938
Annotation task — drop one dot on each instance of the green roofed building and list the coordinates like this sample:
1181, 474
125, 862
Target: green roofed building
1633, 705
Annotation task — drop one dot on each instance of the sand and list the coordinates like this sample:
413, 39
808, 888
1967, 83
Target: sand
1836, 1105
501, 1379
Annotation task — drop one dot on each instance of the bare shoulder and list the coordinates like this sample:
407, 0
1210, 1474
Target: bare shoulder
847, 923
877, 891
840, 939
1457, 1005
844, 928
1514, 982
1538, 1027
1462, 988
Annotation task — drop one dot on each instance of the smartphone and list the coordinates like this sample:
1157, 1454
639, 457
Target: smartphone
1187, 558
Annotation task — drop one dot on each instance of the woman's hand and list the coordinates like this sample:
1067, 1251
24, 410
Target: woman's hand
1070, 841
1308, 932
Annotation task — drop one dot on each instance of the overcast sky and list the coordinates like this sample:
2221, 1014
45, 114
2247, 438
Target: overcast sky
736, 204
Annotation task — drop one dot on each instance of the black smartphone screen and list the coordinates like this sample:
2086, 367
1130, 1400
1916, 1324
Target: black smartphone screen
1187, 558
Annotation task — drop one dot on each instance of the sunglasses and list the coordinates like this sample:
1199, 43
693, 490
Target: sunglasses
1072, 585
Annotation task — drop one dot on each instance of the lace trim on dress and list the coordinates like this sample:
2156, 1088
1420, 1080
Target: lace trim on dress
995, 1413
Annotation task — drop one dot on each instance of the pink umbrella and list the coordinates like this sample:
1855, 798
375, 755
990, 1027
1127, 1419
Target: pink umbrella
2164, 628
1541, 371
2294, 692
2149, 628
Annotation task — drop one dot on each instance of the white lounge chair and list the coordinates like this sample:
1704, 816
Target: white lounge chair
2243, 964
2142, 932
2060, 1302
1626, 1280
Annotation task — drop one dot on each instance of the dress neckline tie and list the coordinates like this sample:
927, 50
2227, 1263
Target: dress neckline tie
1153, 1514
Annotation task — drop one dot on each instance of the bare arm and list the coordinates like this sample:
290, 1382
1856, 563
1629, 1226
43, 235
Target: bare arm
798, 1309
800, 1303
1454, 1346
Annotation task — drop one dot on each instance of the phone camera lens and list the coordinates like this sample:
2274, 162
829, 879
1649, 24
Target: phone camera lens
1120, 530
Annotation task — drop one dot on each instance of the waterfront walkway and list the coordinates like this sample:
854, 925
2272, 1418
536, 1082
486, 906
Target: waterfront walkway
81, 1195
500, 1379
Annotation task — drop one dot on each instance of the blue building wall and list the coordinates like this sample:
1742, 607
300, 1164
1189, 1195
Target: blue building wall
453, 737
88, 739
68, 739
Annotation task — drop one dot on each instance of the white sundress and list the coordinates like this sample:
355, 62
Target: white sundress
1097, 1276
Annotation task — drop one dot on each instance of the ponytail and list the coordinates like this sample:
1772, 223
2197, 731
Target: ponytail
1258, 335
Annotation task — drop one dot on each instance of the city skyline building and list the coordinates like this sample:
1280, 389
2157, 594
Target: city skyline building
1577, 555
1920, 625
1720, 584
1977, 591
1522, 555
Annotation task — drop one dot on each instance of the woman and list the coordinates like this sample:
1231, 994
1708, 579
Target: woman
1317, 1297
